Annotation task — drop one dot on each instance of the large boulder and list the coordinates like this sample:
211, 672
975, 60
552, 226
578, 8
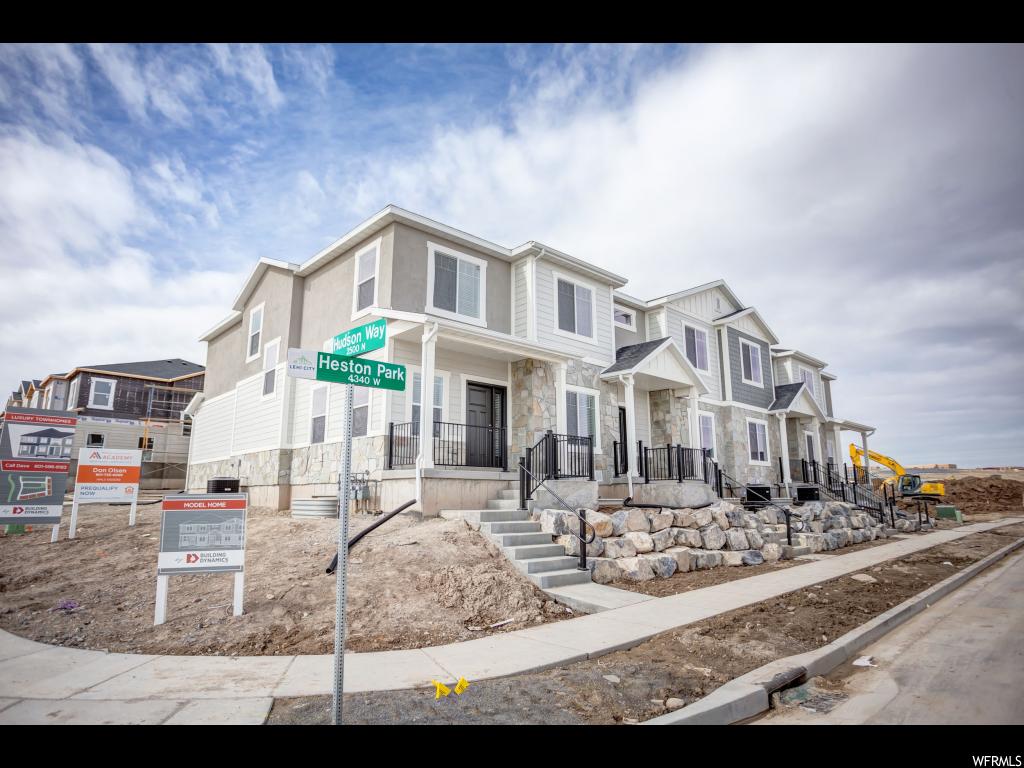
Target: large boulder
602, 523
735, 540
712, 537
683, 518
720, 517
702, 559
556, 521
663, 539
732, 558
662, 565
750, 520
857, 535
619, 547
688, 537
604, 569
635, 569
735, 516
660, 521
752, 557
572, 545
684, 558
642, 542
754, 539
638, 520
676, 495
769, 515
701, 517
771, 552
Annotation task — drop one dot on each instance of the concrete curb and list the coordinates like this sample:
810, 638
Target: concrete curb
749, 695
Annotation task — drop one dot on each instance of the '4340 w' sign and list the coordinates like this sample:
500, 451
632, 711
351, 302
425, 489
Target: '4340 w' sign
324, 366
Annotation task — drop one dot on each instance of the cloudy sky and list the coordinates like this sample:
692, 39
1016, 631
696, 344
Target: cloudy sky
868, 200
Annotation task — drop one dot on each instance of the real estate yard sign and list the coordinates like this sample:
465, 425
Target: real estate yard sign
35, 455
201, 533
346, 369
105, 476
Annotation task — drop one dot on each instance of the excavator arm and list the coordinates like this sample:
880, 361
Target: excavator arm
856, 454
912, 486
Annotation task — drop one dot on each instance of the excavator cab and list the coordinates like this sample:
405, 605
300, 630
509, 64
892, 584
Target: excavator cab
910, 485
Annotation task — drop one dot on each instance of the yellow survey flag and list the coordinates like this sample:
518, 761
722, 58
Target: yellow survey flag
462, 685
442, 690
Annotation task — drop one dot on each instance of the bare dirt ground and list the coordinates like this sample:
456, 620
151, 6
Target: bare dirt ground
980, 498
411, 584
632, 685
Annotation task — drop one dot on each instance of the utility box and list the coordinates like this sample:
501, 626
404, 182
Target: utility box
807, 493
757, 495
948, 512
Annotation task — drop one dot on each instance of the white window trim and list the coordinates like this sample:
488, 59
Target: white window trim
264, 370
261, 308
555, 277
618, 308
707, 346
92, 393
714, 430
327, 412
72, 403
357, 313
368, 405
433, 248
563, 426
446, 395
767, 444
760, 362
800, 375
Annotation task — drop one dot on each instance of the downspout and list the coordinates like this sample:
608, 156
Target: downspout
419, 455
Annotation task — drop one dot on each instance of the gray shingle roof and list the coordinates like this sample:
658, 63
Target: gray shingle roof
784, 396
627, 358
25, 385
157, 369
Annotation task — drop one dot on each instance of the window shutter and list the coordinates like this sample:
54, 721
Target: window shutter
445, 282
752, 440
566, 307
587, 401
572, 416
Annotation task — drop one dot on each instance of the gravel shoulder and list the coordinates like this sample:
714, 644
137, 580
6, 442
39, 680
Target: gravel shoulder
689, 663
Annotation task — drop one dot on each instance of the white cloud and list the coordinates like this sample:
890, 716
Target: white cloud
249, 62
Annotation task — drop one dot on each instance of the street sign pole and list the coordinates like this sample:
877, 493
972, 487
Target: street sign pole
344, 484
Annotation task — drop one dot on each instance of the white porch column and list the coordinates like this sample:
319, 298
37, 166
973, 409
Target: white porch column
426, 453
631, 460
867, 461
694, 419
819, 456
784, 436
838, 458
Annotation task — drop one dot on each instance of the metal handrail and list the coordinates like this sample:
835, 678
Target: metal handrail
565, 505
767, 503
376, 524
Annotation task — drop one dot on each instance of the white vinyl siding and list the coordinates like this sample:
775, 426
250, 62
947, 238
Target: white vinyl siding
211, 429
600, 348
757, 441
696, 347
750, 360
257, 419
101, 393
456, 285
520, 299
707, 305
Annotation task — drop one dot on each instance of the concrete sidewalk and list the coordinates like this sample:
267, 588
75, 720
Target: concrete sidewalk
46, 684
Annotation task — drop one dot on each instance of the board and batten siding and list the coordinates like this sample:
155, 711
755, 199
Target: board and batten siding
676, 329
703, 305
603, 347
751, 394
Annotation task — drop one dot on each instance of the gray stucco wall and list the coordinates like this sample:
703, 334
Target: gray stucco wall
750, 393
409, 276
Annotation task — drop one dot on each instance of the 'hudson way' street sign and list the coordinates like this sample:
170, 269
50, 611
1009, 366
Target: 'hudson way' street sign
324, 366
360, 340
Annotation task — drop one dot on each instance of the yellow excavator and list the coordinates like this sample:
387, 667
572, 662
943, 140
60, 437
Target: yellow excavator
907, 486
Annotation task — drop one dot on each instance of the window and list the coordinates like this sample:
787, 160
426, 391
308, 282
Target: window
269, 364
831, 448
757, 441
581, 414
365, 283
456, 285
318, 414
186, 427
148, 446
417, 400
707, 432
360, 411
809, 439
625, 318
73, 395
255, 333
575, 308
750, 357
101, 394
94, 441
696, 347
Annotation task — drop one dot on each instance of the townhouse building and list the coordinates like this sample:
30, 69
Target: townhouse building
502, 346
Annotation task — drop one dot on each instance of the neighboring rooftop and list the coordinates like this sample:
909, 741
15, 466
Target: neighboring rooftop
153, 369
627, 358
785, 394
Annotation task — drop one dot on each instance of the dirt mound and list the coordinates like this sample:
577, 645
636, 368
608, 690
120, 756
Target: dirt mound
482, 594
983, 495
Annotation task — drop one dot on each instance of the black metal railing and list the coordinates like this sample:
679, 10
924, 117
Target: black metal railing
554, 457
674, 462
620, 458
452, 445
838, 486
755, 495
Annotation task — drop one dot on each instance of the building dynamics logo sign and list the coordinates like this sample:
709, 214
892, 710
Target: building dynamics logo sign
202, 533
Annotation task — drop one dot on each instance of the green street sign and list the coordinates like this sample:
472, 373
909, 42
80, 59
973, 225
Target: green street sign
360, 340
339, 369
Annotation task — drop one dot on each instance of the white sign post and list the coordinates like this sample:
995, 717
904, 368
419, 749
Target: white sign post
106, 476
350, 371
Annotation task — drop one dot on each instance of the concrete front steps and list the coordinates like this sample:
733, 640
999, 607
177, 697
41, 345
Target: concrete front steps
536, 555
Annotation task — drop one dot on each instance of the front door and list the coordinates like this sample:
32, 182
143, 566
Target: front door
810, 446
623, 457
485, 419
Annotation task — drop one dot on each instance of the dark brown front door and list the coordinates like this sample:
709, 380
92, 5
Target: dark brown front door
485, 419
623, 457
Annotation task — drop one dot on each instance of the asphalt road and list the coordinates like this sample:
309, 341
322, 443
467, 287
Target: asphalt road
959, 662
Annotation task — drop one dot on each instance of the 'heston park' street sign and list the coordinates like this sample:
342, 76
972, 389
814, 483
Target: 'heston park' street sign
324, 366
